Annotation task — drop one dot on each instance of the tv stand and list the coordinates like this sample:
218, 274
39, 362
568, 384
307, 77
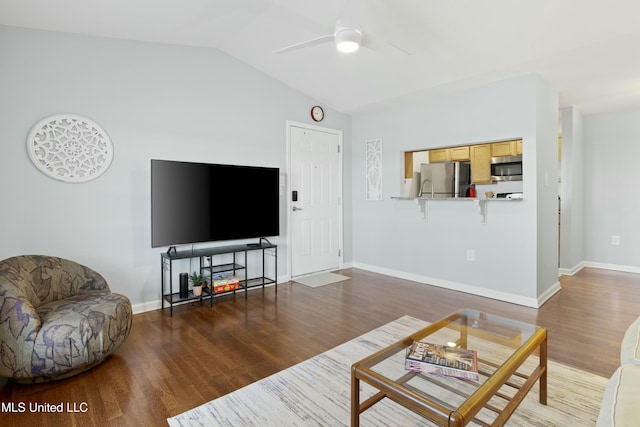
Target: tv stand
257, 245
265, 240
209, 269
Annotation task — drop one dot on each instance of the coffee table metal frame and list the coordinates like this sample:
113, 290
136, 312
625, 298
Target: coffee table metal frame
421, 403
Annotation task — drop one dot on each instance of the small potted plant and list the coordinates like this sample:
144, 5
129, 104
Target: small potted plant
197, 280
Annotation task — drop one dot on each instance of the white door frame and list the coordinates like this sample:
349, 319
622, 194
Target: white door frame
338, 133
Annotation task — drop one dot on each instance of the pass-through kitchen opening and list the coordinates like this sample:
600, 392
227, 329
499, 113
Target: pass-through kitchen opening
486, 170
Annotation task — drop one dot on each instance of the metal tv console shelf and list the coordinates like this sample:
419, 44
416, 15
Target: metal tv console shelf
209, 269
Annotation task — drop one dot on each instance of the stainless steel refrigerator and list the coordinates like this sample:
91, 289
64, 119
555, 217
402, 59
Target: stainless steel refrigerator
444, 180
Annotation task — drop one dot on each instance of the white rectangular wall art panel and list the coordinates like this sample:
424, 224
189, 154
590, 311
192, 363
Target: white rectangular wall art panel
374, 169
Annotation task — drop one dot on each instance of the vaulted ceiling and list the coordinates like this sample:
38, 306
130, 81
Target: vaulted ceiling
587, 49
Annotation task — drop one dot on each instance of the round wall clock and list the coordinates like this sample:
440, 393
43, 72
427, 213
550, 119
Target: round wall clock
69, 148
317, 113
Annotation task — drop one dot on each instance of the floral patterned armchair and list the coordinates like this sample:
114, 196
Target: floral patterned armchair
57, 318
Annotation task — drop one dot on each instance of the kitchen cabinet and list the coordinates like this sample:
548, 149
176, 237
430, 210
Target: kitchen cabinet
408, 164
458, 154
451, 154
480, 163
506, 148
440, 155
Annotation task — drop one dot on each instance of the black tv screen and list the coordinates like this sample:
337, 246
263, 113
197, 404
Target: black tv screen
202, 202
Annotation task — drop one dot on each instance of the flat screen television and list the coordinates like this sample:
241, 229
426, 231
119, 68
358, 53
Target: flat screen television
202, 202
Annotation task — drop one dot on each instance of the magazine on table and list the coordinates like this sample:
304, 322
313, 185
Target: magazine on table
441, 360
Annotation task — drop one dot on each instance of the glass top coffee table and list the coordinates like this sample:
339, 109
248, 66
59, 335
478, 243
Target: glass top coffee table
512, 357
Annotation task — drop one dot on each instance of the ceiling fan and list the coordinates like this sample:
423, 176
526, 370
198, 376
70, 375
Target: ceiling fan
348, 34
347, 38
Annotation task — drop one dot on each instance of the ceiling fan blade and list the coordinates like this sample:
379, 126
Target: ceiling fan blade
380, 46
317, 40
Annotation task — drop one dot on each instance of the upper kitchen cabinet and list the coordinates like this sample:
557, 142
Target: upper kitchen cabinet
506, 148
459, 154
451, 154
440, 155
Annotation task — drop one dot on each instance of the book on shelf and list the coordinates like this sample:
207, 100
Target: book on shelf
442, 360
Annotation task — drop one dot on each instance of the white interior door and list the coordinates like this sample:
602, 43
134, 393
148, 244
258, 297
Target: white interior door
314, 199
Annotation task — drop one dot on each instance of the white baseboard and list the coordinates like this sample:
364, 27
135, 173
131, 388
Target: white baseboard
146, 306
571, 271
347, 265
548, 293
461, 287
617, 267
502, 296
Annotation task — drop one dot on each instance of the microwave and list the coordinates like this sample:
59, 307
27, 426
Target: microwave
507, 168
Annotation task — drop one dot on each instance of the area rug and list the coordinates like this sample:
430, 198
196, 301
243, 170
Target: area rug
317, 392
321, 279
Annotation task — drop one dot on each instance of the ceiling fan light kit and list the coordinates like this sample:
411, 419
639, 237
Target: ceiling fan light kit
347, 39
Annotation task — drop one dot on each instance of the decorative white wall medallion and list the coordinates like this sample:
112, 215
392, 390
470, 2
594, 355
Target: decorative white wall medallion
374, 169
70, 148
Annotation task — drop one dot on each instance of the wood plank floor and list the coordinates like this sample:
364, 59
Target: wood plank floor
171, 364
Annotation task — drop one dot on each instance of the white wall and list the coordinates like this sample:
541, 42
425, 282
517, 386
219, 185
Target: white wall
547, 189
611, 206
572, 191
391, 236
155, 101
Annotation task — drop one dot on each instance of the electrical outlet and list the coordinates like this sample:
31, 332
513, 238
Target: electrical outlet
471, 255
615, 240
